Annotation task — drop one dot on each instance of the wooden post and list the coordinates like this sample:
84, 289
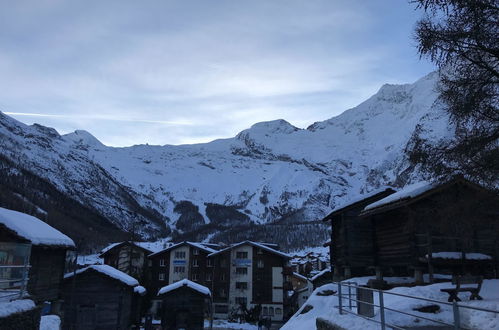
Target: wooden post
430, 256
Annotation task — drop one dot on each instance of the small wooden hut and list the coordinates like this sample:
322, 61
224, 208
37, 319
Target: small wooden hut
184, 304
47, 254
351, 247
100, 297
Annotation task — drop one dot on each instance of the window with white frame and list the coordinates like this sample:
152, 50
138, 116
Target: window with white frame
179, 254
242, 255
209, 276
209, 263
162, 262
161, 276
195, 252
195, 277
260, 263
179, 269
195, 263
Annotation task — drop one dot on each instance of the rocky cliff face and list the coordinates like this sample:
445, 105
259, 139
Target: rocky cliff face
271, 172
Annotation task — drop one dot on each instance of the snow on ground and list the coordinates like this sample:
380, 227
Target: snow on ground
326, 307
33, 229
224, 324
185, 282
50, 322
11, 307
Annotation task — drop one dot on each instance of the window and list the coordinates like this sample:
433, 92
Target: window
222, 293
241, 271
161, 276
241, 300
242, 285
265, 311
222, 277
162, 262
278, 311
179, 254
271, 311
149, 263
195, 252
223, 263
195, 277
195, 263
242, 255
209, 263
208, 277
179, 269
259, 251
260, 264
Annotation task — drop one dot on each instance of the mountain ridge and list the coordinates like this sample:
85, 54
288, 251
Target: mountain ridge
266, 173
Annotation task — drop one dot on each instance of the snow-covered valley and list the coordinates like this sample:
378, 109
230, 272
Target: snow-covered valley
271, 173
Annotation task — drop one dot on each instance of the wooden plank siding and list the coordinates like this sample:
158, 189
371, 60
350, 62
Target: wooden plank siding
108, 299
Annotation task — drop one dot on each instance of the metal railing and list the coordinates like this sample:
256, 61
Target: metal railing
14, 270
353, 302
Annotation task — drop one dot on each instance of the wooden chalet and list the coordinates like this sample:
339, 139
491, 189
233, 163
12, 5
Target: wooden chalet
46, 248
129, 257
101, 297
351, 247
423, 227
445, 228
184, 305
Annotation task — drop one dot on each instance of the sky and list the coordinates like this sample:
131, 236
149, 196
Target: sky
190, 71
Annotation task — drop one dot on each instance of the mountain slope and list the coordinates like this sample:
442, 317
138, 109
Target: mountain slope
271, 172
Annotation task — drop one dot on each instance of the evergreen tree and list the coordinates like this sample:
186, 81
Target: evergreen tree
462, 38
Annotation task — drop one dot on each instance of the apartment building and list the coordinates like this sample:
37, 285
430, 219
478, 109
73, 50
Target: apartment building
185, 260
248, 274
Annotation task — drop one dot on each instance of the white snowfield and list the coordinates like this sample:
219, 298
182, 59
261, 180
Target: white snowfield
269, 170
109, 271
33, 229
185, 282
50, 322
325, 307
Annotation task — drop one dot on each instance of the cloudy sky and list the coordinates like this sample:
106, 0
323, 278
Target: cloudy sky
187, 71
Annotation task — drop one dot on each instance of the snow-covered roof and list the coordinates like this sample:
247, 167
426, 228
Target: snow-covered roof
140, 290
109, 271
360, 198
185, 282
319, 274
458, 255
149, 246
409, 191
197, 245
300, 276
259, 245
16, 306
33, 229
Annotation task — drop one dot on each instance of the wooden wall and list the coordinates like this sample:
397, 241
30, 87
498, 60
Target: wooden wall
46, 272
183, 308
96, 301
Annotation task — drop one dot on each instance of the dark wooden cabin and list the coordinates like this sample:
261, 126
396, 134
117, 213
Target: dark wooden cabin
184, 305
101, 297
351, 247
47, 254
415, 227
128, 257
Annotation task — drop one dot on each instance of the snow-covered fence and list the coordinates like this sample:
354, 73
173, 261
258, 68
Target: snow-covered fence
14, 270
348, 302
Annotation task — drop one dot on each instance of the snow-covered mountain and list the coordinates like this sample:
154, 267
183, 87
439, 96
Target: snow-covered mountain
269, 172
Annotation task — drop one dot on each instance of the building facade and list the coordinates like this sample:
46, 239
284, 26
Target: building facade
249, 274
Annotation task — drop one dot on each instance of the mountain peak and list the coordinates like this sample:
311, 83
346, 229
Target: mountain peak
278, 126
83, 137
